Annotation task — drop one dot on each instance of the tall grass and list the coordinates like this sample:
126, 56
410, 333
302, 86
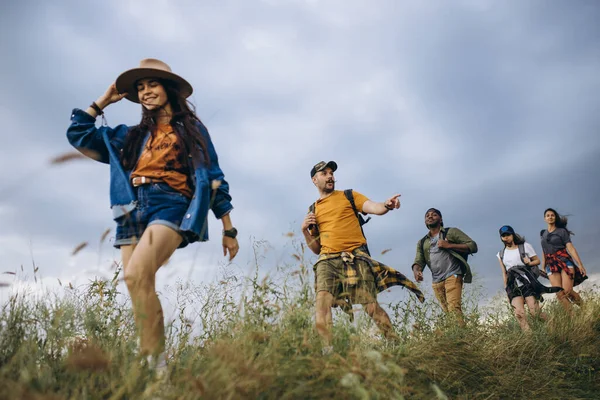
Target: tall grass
253, 337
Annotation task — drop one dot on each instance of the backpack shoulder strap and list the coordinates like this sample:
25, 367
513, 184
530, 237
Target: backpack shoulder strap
445, 233
350, 196
314, 226
422, 244
522, 251
361, 221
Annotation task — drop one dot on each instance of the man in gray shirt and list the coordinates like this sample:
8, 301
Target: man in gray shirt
445, 252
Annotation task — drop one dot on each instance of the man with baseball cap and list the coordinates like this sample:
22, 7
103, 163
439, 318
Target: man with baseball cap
445, 251
345, 273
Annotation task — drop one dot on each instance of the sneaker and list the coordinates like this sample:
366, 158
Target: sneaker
158, 364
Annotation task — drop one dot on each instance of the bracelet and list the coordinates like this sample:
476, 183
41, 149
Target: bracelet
231, 233
96, 108
388, 207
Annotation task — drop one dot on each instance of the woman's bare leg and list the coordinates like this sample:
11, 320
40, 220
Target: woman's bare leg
534, 308
155, 247
519, 307
556, 279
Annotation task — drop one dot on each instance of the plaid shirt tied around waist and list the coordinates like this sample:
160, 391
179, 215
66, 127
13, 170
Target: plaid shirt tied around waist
385, 277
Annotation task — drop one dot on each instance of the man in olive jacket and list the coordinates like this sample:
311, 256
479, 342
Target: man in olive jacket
445, 252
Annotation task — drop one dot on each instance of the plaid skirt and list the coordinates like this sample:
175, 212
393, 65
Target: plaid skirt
562, 261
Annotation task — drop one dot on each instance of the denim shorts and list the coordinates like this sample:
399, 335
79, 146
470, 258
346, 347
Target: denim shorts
158, 203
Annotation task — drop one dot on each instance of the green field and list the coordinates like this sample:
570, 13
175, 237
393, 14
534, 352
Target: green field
253, 338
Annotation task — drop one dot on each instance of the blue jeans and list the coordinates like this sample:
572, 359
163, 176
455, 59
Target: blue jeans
158, 203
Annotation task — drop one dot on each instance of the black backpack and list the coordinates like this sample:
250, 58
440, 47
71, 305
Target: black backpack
522, 253
537, 272
361, 219
444, 233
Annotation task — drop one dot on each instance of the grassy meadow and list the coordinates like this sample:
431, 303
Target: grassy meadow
253, 338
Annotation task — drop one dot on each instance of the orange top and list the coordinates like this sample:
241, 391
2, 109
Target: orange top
339, 228
160, 159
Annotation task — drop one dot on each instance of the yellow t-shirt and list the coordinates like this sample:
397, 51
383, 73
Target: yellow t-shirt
160, 159
339, 228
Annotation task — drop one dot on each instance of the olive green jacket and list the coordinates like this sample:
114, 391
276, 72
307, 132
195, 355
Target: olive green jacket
455, 236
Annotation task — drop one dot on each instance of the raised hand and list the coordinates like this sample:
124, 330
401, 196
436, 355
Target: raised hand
111, 95
393, 202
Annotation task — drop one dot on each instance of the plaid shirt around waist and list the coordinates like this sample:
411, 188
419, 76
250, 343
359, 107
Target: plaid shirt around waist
385, 277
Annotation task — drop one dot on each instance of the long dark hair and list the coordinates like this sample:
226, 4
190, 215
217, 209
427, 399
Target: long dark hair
517, 239
184, 113
560, 220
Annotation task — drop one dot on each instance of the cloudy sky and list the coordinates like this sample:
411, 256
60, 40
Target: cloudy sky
486, 110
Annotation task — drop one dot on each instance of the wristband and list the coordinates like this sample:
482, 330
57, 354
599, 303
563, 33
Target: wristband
96, 108
232, 233
388, 207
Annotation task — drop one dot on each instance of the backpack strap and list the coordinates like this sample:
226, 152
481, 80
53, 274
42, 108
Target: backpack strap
522, 252
350, 196
422, 244
314, 226
445, 233
361, 221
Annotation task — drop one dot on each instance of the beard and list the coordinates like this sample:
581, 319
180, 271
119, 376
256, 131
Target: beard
433, 225
327, 189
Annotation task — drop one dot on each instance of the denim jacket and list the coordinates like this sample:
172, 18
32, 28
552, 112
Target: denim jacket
105, 144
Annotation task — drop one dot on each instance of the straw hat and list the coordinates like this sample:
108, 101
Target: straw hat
150, 68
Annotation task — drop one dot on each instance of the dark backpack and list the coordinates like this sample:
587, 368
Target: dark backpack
535, 269
361, 219
522, 253
444, 233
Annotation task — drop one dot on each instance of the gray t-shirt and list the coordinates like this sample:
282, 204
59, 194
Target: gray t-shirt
442, 264
555, 241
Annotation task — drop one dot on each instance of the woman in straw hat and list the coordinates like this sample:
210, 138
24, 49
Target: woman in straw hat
165, 176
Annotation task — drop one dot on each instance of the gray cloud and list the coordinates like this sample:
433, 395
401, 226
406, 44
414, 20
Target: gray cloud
485, 110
